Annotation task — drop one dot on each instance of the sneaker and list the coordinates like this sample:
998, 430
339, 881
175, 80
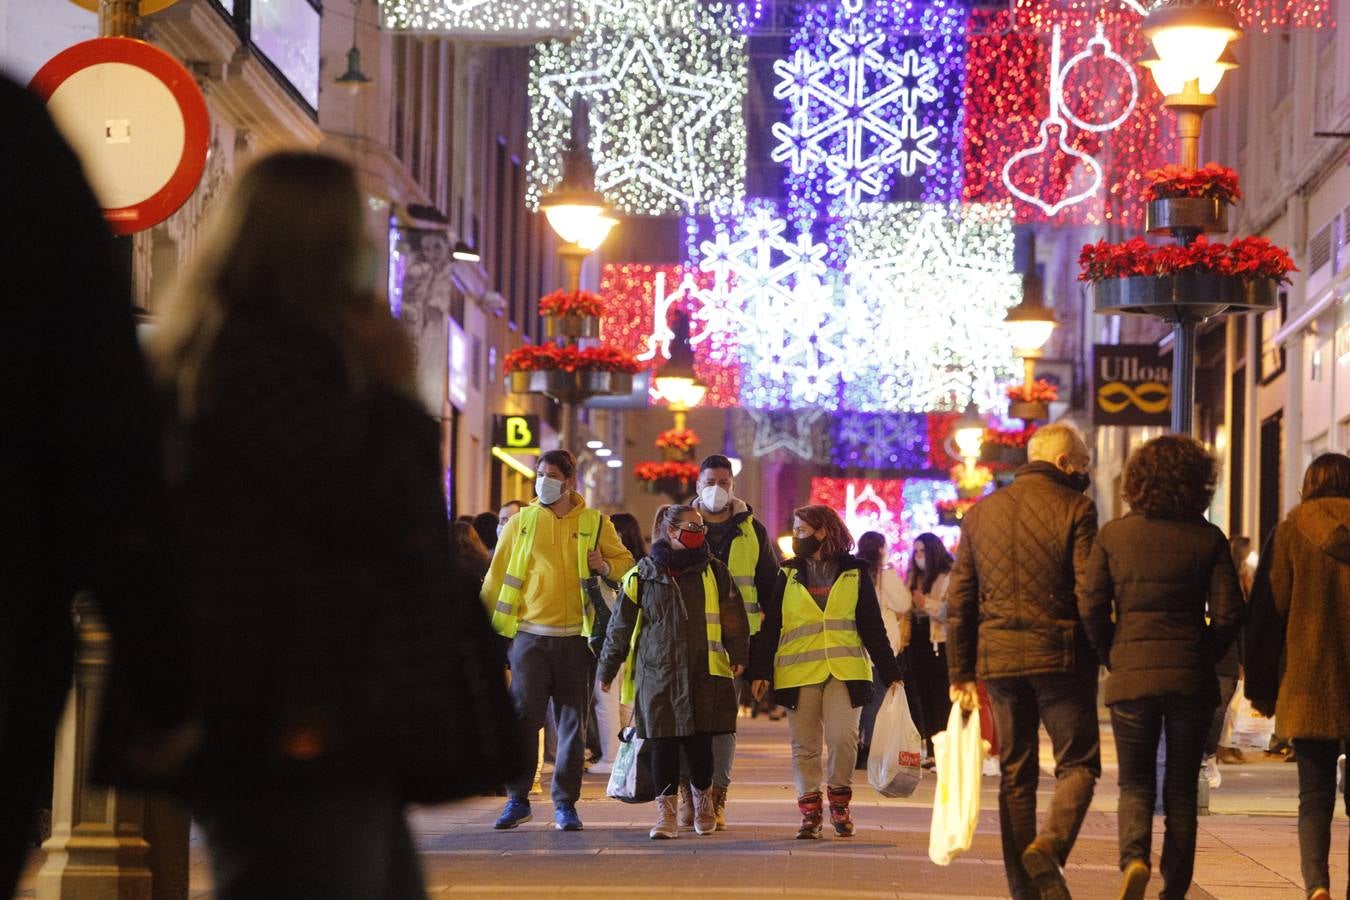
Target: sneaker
989, 768
1209, 768
603, 767
517, 812
1045, 873
1134, 880
565, 818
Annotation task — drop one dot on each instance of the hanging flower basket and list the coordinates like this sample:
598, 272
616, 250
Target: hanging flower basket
951, 512
1186, 215
674, 479
1195, 295
1211, 181
571, 327
572, 304
571, 387
1028, 410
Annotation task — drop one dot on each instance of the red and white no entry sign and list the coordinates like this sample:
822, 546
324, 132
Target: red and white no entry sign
136, 119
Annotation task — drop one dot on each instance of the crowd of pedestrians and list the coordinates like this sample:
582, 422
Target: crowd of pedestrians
313, 646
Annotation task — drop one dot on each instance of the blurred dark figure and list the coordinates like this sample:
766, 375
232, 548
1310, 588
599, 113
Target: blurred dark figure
80, 464
486, 525
1298, 651
342, 669
470, 557
630, 533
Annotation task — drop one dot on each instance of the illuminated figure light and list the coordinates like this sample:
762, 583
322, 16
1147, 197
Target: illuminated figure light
873, 92
881, 441
1009, 95
496, 20
666, 81
928, 286
865, 504
800, 435
639, 299
1061, 116
773, 295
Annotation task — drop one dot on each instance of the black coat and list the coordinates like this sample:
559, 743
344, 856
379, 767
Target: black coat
1012, 606
1157, 578
871, 629
331, 638
676, 694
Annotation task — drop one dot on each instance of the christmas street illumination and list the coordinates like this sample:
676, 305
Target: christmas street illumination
881, 440
665, 80
501, 19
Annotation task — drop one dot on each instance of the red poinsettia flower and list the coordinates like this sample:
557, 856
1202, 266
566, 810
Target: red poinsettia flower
569, 358
1248, 258
1041, 391
1210, 180
1017, 437
682, 439
661, 471
571, 303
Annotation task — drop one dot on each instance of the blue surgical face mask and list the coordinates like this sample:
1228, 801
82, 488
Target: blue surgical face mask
550, 490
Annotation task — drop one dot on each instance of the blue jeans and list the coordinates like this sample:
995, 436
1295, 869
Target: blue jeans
317, 842
1317, 806
1138, 724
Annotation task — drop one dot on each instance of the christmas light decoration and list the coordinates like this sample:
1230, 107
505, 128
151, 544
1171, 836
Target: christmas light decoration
796, 434
770, 292
499, 19
865, 504
881, 441
634, 292
928, 288
1009, 90
665, 80
919, 514
873, 92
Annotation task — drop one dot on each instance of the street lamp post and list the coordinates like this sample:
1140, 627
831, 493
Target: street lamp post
1030, 323
678, 384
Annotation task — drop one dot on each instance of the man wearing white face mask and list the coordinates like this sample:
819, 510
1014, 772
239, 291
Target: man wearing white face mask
535, 593
739, 541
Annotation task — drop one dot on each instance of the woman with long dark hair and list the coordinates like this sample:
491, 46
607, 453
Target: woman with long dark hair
1154, 577
470, 557
608, 714
930, 567
820, 625
1298, 651
894, 600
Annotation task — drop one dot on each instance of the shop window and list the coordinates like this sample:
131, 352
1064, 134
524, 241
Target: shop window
1272, 355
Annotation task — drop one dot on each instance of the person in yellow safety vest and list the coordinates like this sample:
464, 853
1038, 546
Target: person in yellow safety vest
536, 595
741, 543
821, 623
681, 625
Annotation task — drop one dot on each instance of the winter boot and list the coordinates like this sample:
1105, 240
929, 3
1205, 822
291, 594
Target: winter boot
839, 815
812, 814
665, 826
705, 811
720, 807
686, 804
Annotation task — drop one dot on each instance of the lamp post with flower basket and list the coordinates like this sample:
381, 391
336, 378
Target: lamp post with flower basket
1192, 280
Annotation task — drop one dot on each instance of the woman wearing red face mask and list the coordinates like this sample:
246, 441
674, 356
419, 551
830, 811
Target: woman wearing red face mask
681, 625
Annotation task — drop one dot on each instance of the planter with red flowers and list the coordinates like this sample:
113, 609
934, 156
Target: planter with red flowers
571, 314
675, 479
1184, 201
678, 443
1194, 281
1031, 404
951, 512
570, 374
1006, 447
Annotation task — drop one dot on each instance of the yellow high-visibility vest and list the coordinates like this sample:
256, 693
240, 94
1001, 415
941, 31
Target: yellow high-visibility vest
719, 661
506, 614
742, 561
816, 643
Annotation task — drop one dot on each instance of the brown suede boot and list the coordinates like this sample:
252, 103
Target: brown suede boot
665, 827
812, 815
720, 807
839, 815
686, 818
705, 814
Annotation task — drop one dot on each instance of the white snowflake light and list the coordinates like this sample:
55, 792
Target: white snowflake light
524, 20
928, 286
665, 81
881, 440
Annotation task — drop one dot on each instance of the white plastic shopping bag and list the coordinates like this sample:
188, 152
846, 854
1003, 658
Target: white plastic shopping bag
631, 779
959, 753
893, 765
1245, 726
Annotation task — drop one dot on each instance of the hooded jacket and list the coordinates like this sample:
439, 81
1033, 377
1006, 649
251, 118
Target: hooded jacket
1298, 639
766, 569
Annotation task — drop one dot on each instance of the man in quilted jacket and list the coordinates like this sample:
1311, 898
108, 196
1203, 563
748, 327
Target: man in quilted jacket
1013, 623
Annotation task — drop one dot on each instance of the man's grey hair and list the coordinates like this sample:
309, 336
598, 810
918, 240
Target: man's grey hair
1052, 441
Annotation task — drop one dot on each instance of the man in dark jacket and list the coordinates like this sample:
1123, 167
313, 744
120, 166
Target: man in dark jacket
732, 527
79, 466
1013, 622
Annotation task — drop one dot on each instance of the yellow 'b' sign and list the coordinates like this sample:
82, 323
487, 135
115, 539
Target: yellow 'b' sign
518, 432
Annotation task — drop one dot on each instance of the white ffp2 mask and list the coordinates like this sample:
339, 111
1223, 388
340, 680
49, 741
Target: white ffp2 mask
714, 498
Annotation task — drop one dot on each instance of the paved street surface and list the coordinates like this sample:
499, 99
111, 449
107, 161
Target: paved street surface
1248, 848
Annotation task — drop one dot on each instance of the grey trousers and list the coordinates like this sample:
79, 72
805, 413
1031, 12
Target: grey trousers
824, 712
557, 669
724, 757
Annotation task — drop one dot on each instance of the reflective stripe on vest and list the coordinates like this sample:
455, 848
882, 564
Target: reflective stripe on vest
719, 662
815, 643
506, 614
742, 560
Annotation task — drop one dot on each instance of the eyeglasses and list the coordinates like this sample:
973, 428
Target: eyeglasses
804, 531
695, 527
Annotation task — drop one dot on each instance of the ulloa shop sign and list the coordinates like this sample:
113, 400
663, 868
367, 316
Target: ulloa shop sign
1131, 385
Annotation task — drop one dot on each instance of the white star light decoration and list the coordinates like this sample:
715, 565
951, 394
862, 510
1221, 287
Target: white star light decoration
928, 287
834, 97
520, 19
790, 433
770, 292
665, 80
